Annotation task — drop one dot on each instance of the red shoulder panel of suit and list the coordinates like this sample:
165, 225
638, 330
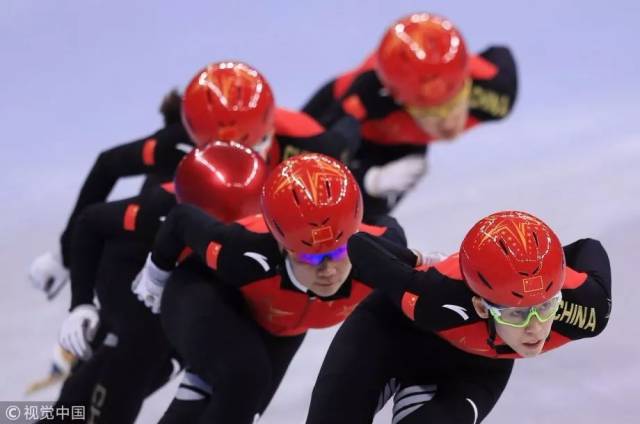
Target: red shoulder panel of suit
473, 338
354, 107
482, 69
169, 187
574, 279
450, 267
287, 313
374, 230
290, 123
254, 223
344, 81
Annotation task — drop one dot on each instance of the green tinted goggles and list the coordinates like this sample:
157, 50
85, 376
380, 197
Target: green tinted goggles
520, 317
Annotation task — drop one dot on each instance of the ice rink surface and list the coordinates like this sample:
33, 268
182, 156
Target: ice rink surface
80, 76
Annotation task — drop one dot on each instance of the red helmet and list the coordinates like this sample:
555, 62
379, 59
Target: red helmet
228, 101
422, 60
512, 258
311, 203
223, 179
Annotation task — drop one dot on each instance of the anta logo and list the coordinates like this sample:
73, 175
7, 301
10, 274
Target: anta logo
458, 310
583, 317
184, 147
260, 259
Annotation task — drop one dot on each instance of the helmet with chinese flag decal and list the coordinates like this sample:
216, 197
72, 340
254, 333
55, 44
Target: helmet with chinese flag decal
223, 179
311, 203
228, 101
422, 60
512, 258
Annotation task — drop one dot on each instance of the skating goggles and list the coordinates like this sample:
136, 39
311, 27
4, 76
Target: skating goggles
317, 258
443, 110
520, 317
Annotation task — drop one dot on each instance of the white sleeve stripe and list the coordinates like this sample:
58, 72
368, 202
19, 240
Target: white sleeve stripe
184, 393
386, 394
400, 397
475, 410
413, 400
415, 389
194, 380
404, 413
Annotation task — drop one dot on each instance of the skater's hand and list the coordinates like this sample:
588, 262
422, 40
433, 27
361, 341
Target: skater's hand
47, 273
395, 177
78, 330
149, 284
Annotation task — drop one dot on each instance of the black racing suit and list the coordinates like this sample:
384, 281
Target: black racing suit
388, 131
417, 338
238, 321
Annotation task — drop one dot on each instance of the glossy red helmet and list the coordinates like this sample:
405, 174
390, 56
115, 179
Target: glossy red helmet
512, 258
228, 101
422, 60
311, 203
223, 179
